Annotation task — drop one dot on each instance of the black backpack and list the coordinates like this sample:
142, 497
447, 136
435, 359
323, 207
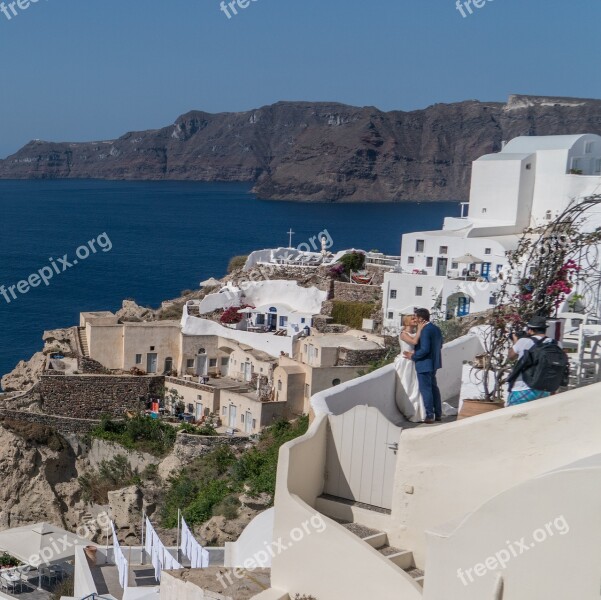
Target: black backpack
544, 367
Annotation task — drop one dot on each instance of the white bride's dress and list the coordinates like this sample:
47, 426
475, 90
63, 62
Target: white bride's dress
408, 397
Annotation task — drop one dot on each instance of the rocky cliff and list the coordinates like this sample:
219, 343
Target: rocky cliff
317, 151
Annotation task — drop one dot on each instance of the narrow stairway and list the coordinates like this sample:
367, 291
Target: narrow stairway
83, 341
379, 541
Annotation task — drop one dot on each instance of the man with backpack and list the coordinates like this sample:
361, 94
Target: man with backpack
542, 366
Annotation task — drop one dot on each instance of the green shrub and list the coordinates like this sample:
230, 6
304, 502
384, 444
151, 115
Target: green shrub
451, 329
236, 262
207, 428
351, 313
227, 508
207, 486
188, 485
111, 475
139, 433
353, 261
257, 468
6, 560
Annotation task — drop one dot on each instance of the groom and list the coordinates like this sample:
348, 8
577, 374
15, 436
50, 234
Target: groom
427, 358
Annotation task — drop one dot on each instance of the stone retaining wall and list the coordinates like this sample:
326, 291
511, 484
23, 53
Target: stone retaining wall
61, 424
358, 358
91, 396
351, 292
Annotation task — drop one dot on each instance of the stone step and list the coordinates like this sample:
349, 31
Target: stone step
83, 340
379, 541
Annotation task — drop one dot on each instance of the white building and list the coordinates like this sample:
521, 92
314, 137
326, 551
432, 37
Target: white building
527, 184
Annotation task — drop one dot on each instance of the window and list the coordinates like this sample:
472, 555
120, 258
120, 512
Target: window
411, 260
335, 381
224, 410
598, 165
307, 390
487, 250
138, 359
548, 215
393, 294
302, 319
484, 210
454, 265
254, 423
279, 385
212, 362
283, 321
443, 250
499, 268
224, 361
152, 348
429, 261
202, 351
190, 363
391, 315
588, 148
419, 245
492, 299
419, 291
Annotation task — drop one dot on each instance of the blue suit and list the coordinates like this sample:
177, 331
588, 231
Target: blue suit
428, 359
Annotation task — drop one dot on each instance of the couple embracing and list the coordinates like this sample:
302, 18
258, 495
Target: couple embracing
417, 395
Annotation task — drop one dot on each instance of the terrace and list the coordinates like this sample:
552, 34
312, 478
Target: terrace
103, 577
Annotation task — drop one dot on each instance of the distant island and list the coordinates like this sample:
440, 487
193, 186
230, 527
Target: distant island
316, 151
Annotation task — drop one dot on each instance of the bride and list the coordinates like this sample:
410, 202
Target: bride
408, 397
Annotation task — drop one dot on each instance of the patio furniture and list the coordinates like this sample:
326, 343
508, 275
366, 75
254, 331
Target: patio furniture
587, 363
572, 324
46, 573
12, 580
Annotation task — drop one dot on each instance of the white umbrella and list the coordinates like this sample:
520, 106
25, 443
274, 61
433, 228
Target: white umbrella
45, 543
468, 259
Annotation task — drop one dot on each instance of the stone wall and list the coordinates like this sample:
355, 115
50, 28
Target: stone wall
359, 358
90, 366
91, 396
351, 292
61, 424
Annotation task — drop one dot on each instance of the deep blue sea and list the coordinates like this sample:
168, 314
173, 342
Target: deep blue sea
166, 237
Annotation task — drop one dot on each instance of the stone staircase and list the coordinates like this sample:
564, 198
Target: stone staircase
83, 341
379, 541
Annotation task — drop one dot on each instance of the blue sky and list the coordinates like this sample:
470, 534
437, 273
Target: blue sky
89, 69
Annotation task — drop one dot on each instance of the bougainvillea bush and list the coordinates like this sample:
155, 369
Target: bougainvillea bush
544, 269
231, 316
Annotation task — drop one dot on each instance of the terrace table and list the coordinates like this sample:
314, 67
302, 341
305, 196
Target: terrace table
12, 578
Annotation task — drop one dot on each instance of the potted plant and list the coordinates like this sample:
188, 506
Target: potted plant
548, 264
